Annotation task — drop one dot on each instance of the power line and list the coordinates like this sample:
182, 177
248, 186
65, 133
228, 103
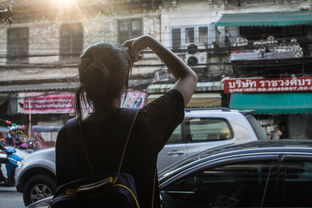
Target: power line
301, 41
284, 38
240, 63
215, 50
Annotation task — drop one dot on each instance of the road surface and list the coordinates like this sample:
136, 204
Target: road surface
10, 198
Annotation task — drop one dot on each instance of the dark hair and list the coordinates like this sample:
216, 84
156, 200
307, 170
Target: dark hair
103, 74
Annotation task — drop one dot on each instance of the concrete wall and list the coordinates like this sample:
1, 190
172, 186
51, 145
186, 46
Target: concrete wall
44, 39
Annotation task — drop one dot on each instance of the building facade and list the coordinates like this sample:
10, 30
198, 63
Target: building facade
270, 56
41, 49
220, 40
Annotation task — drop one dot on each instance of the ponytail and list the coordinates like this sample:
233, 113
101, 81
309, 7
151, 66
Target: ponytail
78, 95
103, 74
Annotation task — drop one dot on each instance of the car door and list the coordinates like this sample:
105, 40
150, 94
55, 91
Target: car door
238, 184
295, 182
207, 133
174, 150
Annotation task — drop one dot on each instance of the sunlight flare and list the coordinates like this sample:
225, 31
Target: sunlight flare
65, 3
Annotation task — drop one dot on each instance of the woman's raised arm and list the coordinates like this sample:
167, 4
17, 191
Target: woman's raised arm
186, 77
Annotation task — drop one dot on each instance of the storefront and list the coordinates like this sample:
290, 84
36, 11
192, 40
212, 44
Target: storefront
282, 105
12, 108
48, 106
271, 61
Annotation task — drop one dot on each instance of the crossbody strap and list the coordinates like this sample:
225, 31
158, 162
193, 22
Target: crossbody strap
136, 111
154, 187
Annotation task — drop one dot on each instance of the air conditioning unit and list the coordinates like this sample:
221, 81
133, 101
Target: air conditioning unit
195, 59
195, 55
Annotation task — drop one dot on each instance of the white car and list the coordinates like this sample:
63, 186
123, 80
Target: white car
200, 130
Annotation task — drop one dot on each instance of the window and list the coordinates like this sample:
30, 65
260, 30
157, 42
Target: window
203, 34
176, 38
189, 35
208, 129
17, 45
186, 35
128, 29
71, 41
256, 127
176, 136
233, 185
294, 191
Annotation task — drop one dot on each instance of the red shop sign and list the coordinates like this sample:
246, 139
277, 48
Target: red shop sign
254, 85
51, 102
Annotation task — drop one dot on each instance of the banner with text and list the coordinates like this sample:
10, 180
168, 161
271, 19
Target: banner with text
47, 102
260, 85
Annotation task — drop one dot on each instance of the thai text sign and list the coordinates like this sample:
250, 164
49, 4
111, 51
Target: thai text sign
254, 85
51, 102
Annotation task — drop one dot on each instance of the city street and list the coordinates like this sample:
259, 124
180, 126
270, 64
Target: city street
206, 102
10, 198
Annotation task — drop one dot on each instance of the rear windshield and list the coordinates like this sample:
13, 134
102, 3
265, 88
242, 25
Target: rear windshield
256, 127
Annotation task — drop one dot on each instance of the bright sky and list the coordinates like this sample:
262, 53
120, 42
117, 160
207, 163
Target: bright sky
65, 3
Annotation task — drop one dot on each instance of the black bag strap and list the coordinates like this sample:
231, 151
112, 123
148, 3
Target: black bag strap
74, 131
131, 115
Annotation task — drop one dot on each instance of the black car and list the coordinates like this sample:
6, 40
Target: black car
254, 174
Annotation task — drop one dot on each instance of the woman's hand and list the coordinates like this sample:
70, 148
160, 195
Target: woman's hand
186, 77
136, 45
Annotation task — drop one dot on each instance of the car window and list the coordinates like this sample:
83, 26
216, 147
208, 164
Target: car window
260, 133
208, 129
234, 185
176, 136
296, 184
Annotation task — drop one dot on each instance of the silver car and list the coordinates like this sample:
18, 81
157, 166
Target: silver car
201, 129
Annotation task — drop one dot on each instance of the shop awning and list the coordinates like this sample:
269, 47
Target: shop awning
266, 19
41, 128
200, 87
273, 103
39, 87
197, 100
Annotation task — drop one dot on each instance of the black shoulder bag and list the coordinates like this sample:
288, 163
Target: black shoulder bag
109, 190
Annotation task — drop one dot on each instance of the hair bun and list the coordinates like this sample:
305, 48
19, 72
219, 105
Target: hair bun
96, 47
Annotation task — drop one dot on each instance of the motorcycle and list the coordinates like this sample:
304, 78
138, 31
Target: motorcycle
11, 161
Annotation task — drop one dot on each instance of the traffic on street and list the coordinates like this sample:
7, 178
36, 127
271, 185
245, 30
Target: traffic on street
165, 103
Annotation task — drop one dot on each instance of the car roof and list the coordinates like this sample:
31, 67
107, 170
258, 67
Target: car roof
41, 128
260, 146
217, 109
